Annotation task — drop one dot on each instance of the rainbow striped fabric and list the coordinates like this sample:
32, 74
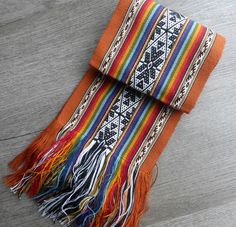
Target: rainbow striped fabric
158, 52
149, 67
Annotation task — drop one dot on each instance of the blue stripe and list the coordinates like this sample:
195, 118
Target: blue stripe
174, 58
129, 64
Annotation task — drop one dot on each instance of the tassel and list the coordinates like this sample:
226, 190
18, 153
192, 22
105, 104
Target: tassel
132, 201
44, 164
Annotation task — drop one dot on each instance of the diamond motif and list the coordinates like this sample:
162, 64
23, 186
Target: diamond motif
118, 116
157, 51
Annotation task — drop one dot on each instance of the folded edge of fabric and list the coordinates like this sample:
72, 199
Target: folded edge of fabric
170, 57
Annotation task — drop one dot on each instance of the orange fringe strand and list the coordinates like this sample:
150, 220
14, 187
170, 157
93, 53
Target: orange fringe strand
25, 159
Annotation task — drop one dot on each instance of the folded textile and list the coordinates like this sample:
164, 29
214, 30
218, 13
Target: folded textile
92, 166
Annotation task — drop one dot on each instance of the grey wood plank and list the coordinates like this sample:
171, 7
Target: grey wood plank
42, 58
218, 216
12, 10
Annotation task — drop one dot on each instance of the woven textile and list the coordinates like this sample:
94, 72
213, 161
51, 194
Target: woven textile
92, 166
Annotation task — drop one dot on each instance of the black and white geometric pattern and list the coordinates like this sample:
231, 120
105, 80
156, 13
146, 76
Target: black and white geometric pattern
118, 117
157, 50
151, 63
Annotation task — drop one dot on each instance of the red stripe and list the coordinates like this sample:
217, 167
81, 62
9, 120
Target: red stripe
145, 129
184, 67
126, 44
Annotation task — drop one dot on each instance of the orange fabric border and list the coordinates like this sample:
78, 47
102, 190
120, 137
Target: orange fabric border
76, 96
204, 73
161, 142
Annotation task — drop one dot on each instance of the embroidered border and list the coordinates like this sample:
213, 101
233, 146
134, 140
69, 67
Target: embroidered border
191, 75
121, 34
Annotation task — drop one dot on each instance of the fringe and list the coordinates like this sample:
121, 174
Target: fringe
80, 200
125, 205
73, 202
76, 197
26, 159
143, 186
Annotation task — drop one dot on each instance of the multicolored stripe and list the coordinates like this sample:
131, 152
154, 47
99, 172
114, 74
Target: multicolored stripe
135, 40
179, 62
182, 40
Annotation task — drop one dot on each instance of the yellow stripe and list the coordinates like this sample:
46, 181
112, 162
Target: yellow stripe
180, 62
132, 41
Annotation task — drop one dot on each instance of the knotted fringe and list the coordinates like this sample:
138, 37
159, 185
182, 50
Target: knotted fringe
25, 160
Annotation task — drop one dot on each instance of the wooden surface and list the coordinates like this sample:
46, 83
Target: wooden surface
45, 46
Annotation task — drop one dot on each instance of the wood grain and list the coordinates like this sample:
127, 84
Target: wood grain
45, 46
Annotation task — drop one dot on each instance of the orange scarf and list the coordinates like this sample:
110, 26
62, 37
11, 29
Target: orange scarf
92, 166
